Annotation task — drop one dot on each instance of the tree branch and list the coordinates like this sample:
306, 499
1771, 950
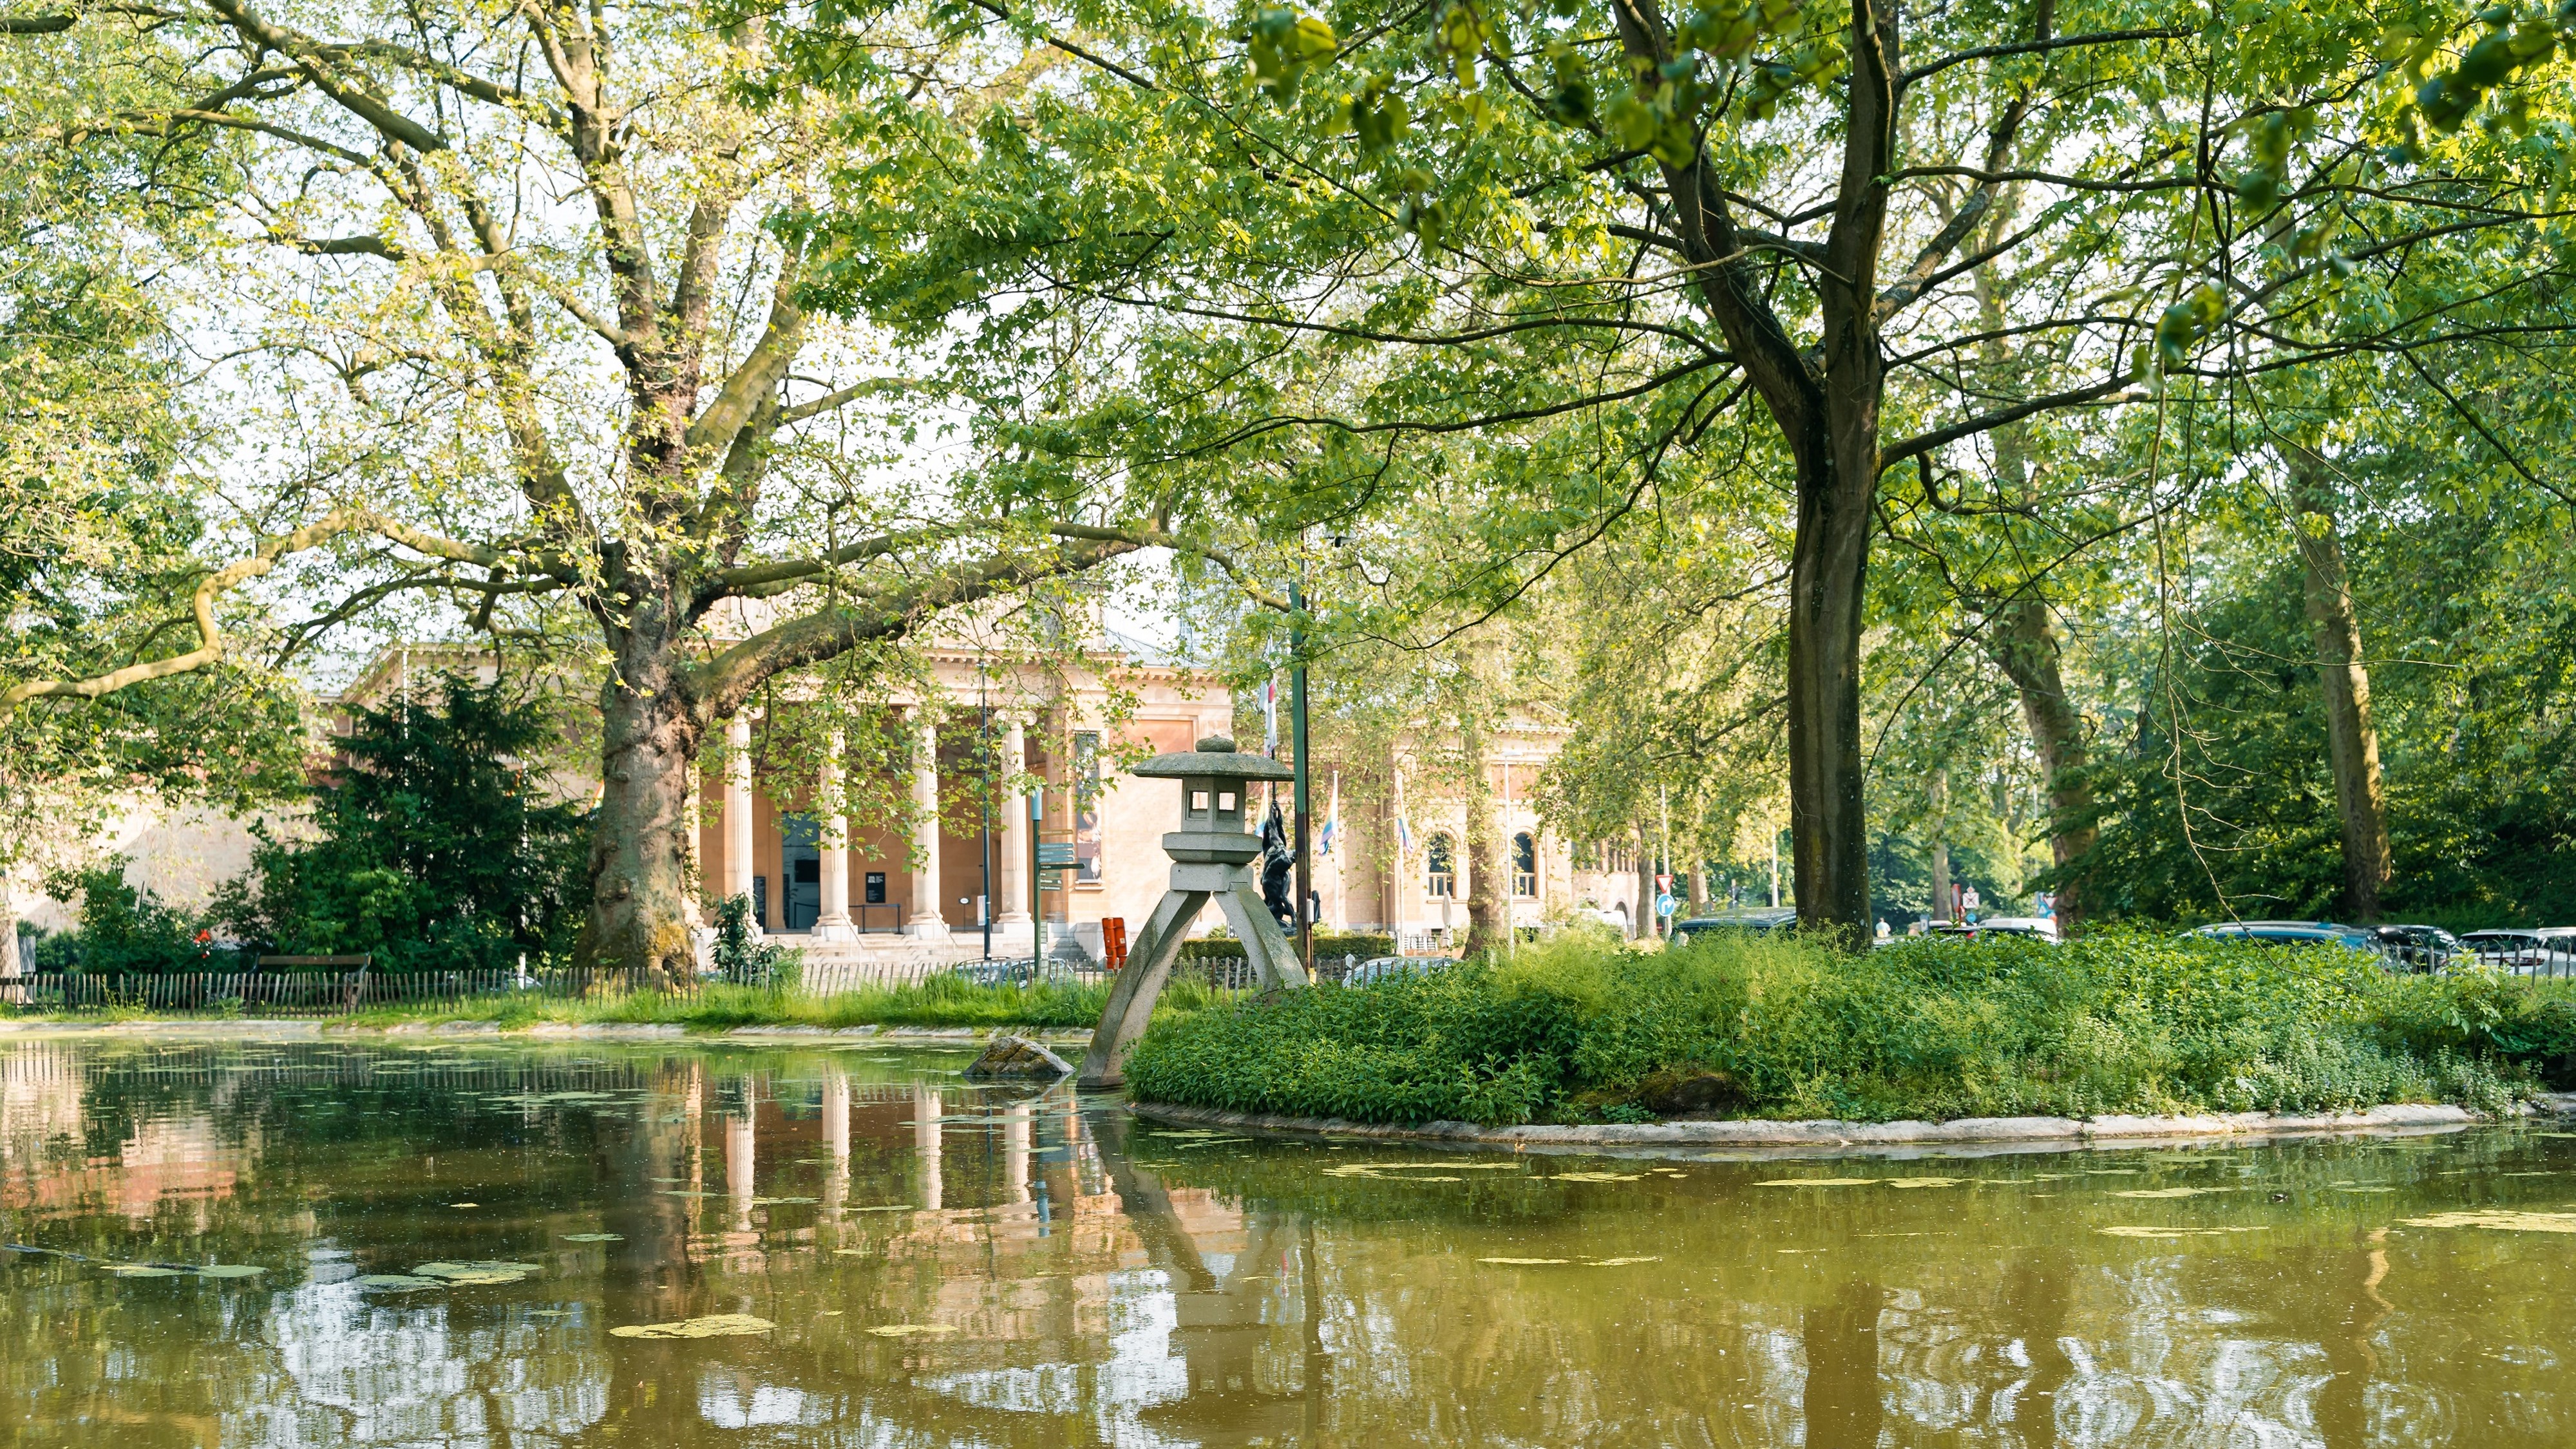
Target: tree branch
2038, 47
2100, 392
210, 635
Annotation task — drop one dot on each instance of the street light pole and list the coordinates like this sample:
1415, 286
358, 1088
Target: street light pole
1297, 745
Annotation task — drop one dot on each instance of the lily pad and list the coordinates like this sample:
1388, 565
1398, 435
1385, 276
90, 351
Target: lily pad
399, 1280
139, 1270
229, 1270
713, 1325
1925, 1181
1524, 1262
1623, 1262
1584, 1177
2139, 1231
911, 1330
594, 1237
479, 1272
2504, 1219
2174, 1191
1818, 1182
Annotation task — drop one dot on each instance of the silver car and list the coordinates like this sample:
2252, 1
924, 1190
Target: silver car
2542, 951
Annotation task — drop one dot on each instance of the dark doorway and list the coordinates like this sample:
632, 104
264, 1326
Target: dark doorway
801, 871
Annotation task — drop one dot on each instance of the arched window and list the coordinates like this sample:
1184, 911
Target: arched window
1440, 879
1524, 865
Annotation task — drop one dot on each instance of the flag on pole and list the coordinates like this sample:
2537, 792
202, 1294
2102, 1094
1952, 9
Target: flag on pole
1403, 835
1332, 817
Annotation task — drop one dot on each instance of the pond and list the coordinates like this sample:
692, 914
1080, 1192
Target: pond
313, 1242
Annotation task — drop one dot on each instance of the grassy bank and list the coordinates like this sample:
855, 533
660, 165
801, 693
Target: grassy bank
1582, 1031
938, 1002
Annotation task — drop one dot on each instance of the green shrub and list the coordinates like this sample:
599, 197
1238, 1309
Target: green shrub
1327, 944
1938, 1028
124, 928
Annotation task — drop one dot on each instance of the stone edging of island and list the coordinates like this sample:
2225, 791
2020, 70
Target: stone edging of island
1965, 1131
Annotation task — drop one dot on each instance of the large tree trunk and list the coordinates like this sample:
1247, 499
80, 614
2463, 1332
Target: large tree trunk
1825, 402
1489, 881
1828, 825
639, 859
2352, 743
1646, 923
1937, 796
2024, 646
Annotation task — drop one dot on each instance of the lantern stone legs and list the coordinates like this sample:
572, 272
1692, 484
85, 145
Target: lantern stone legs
1209, 855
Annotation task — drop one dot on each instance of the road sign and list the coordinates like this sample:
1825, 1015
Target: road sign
1057, 854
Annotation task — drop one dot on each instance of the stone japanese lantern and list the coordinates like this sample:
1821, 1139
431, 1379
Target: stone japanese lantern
1210, 855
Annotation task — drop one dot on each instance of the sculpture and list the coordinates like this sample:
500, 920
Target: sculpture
1209, 853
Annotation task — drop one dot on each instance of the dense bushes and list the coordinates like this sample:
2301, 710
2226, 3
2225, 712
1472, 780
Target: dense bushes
125, 928
437, 844
1932, 1028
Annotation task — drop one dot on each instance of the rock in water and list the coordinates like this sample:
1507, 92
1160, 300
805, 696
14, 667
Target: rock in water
1017, 1056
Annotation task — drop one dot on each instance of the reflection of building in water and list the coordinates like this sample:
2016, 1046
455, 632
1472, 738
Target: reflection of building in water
175, 1157
40, 1100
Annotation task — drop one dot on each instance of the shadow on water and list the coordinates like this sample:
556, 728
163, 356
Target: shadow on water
907, 1258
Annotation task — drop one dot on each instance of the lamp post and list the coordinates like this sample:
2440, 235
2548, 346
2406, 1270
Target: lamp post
1209, 853
1297, 747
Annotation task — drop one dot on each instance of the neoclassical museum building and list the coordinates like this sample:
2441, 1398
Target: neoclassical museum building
952, 858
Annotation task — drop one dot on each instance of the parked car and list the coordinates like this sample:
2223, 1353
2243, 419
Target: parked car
1387, 968
2545, 951
2037, 928
2419, 948
1768, 918
2292, 933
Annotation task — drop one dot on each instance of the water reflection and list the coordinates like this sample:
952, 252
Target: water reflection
950, 1264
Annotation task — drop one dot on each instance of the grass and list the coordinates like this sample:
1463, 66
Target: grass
1580, 1030
937, 1002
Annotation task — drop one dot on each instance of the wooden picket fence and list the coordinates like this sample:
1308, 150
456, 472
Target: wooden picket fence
308, 992
312, 993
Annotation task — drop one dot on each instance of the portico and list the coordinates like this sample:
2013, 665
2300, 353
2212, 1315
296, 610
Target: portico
952, 845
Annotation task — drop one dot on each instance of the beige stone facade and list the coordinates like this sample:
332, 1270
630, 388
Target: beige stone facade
937, 877
1399, 862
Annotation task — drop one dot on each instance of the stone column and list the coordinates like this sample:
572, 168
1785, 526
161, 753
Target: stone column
737, 807
741, 1171
926, 1145
1011, 867
1016, 1133
832, 921
694, 852
926, 922
836, 1141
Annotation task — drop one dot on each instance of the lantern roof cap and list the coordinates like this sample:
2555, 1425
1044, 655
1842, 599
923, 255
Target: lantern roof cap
1215, 758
